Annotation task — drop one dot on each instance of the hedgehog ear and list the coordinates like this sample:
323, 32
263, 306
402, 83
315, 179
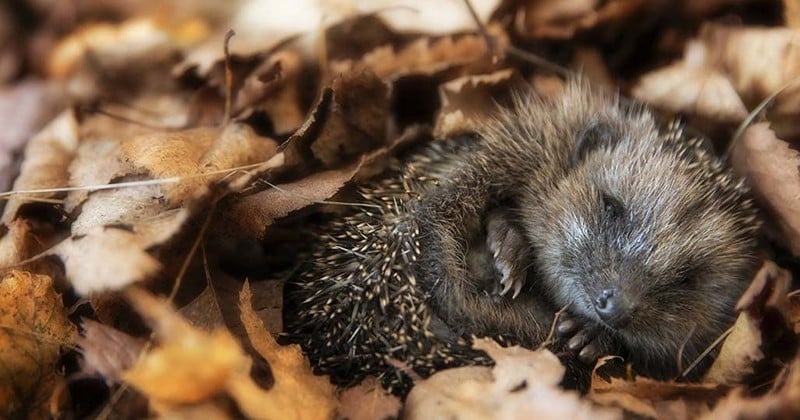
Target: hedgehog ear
595, 135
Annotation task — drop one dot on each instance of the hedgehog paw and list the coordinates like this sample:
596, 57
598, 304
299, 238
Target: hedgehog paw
585, 340
509, 252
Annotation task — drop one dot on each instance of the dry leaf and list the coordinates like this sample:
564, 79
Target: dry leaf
24, 108
791, 13
297, 393
106, 351
743, 347
204, 311
274, 86
255, 213
196, 156
358, 119
115, 45
523, 384
105, 258
33, 328
690, 86
782, 402
468, 101
423, 56
649, 398
367, 401
771, 167
47, 158
755, 62
559, 19
267, 302
740, 351
189, 365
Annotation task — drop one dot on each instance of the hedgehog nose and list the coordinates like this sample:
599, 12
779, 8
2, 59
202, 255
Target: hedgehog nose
611, 307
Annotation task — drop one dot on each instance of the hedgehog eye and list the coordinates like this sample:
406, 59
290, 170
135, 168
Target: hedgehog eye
611, 206
686, 276
595, 135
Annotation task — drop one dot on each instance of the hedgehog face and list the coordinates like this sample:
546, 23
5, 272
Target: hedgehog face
657, 260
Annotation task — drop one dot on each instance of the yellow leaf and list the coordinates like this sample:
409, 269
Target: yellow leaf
33, 327
297, 393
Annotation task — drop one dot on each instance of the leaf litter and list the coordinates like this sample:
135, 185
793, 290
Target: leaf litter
162, 156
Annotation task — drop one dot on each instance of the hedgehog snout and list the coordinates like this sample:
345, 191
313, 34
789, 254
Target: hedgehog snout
613, 308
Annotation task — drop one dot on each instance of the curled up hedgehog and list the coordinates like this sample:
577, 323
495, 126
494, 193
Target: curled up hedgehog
641, 233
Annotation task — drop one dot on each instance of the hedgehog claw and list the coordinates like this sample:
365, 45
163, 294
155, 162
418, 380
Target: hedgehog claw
508, 249
587, 342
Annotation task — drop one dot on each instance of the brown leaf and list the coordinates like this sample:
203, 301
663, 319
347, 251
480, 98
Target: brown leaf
771, 167
47, 158
424, 56
523, 384
421, 16
791, 13
468, 101
743, 348
554, 19
649, 398
297, 392
274, 87
740, 351
111, 45
24, 108
358, 119
692, 87
107, 351
204, 311
368, 401
16, 243
782, 402
254, 213
756, 62
105, 258
196, 156
267, 302
33, 328
189, 365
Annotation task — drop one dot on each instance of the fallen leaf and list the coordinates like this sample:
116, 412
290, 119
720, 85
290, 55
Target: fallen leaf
253, 214
553, 19
105, 258
771, 167
739, 353
188, 365
424, 56
690, 86
791, 13
111, 45
523, 384
297, 392
267, 302
367, 401
204, 311
650, 398
33, 329
743, 348
107, 351
755, 62
24, 108
466, 101
47, 158
782, 402
358, 119
196, 156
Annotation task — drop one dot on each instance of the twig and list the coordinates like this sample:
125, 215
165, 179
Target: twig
228, 76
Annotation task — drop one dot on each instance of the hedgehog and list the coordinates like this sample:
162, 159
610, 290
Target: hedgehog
583, 205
